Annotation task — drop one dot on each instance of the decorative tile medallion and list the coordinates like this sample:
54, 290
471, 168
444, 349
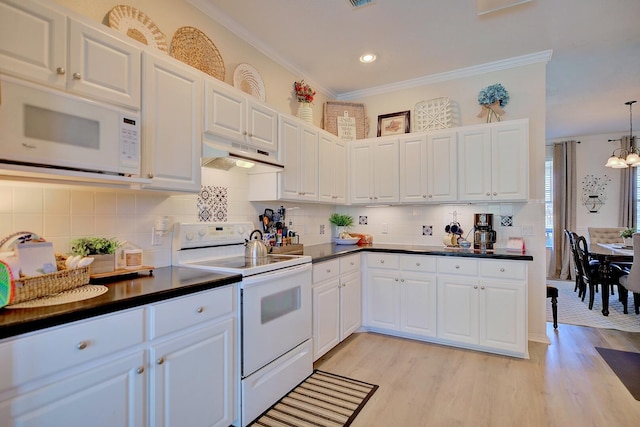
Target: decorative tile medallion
506, 220
362, 220
212, 204
427, 230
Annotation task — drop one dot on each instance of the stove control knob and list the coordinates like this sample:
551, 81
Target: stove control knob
188, 235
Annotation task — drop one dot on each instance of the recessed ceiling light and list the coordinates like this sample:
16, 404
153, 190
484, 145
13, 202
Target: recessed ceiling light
367, 58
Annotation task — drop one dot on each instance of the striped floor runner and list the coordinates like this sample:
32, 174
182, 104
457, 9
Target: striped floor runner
323, 399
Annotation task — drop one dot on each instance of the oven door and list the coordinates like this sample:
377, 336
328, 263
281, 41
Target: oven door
276, 315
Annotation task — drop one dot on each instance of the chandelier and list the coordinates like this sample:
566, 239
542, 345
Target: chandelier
623, 158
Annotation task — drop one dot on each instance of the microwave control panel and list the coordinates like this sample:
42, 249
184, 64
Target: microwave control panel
130, 143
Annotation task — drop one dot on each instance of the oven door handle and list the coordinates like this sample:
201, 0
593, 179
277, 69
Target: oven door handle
284, 272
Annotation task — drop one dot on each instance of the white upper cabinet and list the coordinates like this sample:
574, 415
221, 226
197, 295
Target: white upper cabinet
374, 171
39, 43
299, 153
232, 116
332, 169
494, 162
172, 111
428, 171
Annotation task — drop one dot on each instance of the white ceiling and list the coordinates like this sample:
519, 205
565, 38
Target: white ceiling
594, 68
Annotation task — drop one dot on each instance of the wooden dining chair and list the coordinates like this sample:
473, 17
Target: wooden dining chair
589, 272
630, 281
577, 268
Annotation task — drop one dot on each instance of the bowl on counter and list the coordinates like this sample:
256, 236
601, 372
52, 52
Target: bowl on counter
346, 241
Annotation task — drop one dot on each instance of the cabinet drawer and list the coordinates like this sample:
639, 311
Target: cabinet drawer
68, 346
458, 265
326, 270
180, 313
380, 260
504, 269
418, 263
350, 263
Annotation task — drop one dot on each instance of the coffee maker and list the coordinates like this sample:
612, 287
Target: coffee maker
484, 236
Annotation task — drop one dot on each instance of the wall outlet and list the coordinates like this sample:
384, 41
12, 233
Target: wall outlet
321, 228
157, 237
527, 230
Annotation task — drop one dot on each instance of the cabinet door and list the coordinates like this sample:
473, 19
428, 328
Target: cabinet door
442, 170
510, 161
111, 393
383, 299
308, 172
103, 66
194, 378
225, 112
326, 317
289, 134
418, 302
474, 164
361, 166
386, 171
33, 42
413, 169
350, 303
262, 126
326, 167
171, 125
458, 309
340, 161
503, 315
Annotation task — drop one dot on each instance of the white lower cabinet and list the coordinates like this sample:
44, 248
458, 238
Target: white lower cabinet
459, 301
482, 304
111, 371
401, 294
337, 302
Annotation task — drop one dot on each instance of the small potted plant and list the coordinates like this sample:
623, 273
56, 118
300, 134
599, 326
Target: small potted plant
627, 236
342, 222
102, 249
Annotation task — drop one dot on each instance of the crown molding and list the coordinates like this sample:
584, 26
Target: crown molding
503, 64
232, 25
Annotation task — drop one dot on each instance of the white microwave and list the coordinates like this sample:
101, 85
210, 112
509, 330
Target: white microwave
45, 127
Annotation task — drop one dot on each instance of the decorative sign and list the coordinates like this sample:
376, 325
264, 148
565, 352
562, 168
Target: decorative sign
594, 192
346, 127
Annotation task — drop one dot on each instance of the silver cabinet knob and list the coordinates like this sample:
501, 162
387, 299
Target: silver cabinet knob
250, 135
199, 309
495, 193
457, 267
82, 345
61, 71
140, 370
424, 196
482, 287
475, 286
77, 76
417, 264
160, 360
488, 194
353, 263
328, 270
396, 279
149, 175
430, 196
381, 261
244, 133
402, 280
502, 270
375, 198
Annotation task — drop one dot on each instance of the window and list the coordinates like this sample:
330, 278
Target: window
548, 202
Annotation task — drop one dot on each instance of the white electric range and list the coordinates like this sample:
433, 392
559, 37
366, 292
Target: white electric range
275, 309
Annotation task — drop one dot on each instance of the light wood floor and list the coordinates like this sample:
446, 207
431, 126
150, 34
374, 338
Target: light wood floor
563, 384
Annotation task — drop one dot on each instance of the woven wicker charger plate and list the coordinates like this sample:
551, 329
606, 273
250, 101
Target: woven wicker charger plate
193, 47
72, 295
135, 24
247, 79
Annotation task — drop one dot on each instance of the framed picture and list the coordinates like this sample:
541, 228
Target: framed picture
394, 123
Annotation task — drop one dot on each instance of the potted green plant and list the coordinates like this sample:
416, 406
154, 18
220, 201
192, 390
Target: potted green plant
341, 222
101, 249
627, 236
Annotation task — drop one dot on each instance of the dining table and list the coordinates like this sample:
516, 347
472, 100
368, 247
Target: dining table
608, 254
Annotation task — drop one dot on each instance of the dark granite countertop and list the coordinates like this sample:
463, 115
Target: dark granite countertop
129, 291
327, 251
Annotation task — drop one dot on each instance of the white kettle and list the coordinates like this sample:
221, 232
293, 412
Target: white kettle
255, 248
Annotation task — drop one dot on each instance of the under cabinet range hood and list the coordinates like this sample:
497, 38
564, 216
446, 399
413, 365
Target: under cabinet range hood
225, 157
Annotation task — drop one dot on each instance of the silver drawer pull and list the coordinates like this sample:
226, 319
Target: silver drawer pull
199, 309
81, 345
140, 370
160, 361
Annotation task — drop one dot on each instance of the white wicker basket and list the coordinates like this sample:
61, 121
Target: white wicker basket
432, 114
